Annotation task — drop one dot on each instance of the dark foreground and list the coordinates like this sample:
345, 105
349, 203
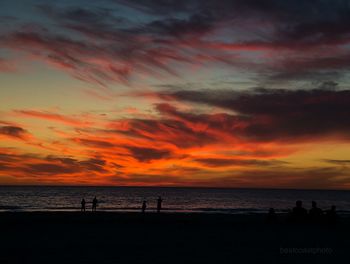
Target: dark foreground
167, 238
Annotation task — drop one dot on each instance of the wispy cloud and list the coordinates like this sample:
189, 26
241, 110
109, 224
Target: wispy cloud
53, 117
292, 38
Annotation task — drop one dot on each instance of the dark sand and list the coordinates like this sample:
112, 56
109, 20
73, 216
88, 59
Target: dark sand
72, 237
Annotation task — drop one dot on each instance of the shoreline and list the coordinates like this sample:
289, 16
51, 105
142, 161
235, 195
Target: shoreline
170, 187
233, 212
257, 218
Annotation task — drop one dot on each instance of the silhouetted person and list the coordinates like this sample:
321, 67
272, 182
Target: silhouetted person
83, 205
159, 204
144, 206
299, 213
271, 216
331, 215
94, 204
315, 213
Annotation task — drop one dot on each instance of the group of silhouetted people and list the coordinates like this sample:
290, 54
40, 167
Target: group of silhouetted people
159, 205
297, 214
143, 207
94, 205
315, 214
300, 214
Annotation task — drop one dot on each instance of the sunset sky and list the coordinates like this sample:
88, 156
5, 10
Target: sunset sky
230, 93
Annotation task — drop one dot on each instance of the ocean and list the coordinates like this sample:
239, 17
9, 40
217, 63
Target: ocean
183, 200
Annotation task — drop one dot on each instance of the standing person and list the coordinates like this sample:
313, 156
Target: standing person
159, 204
94, 204
315, 213
144, 206
83, 205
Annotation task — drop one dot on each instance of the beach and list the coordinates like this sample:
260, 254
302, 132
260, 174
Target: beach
109, 237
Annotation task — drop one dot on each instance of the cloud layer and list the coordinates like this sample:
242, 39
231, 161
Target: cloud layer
200, 93
293, 39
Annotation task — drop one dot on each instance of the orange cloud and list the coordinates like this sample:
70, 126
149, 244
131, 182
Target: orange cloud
53, 117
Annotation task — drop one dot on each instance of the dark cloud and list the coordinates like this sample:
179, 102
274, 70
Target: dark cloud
96, 45
94, 165
9, 157
13, 131
167, 130
197, 25
97, 17
49, 165
48, 168
337, 162
148, 154
95, 143
317, 67
218, 162
273, 114
295, 24
306, 27
160, 7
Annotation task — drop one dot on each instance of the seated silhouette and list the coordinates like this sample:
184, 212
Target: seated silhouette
331, 215
315, 213
299, 213
271, 216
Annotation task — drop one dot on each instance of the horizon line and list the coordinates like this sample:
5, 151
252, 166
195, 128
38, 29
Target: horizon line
184, 187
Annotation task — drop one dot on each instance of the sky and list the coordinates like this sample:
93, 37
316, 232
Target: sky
203, 93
